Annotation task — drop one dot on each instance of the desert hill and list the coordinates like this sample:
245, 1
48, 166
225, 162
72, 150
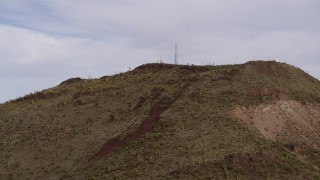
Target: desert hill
255, 120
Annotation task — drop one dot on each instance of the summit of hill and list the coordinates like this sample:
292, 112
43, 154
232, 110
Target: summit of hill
256, 120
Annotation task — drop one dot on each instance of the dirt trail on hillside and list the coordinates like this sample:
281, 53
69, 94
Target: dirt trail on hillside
146, 126
287, 121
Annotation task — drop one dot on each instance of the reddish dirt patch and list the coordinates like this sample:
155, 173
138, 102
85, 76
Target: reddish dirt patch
161, 105
146, 126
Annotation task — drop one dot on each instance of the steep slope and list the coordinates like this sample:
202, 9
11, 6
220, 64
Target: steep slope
170, 121
285, 120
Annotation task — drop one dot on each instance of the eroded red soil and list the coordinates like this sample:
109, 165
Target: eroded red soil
146, 126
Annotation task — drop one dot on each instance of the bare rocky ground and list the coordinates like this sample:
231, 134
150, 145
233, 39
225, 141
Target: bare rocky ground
283, 120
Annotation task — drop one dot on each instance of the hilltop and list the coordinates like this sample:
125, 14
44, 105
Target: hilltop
255, 120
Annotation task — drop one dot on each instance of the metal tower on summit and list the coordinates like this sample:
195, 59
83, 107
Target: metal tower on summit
176, 54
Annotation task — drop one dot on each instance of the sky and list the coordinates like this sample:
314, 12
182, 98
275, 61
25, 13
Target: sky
44, 42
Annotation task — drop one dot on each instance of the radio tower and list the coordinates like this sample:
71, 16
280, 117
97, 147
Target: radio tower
176, 54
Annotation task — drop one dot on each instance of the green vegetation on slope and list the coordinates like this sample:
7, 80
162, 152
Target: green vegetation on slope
58, 132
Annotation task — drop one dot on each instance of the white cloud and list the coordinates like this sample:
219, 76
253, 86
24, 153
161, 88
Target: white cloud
33, 61
25, 47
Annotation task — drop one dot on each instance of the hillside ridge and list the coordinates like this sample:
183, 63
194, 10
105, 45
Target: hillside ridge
255, 120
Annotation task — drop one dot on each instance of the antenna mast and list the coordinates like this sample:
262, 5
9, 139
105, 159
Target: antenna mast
176, 54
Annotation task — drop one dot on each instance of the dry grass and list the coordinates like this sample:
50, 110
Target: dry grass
56, 133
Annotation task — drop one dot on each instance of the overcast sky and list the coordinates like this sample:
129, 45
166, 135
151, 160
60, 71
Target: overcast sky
43, 42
